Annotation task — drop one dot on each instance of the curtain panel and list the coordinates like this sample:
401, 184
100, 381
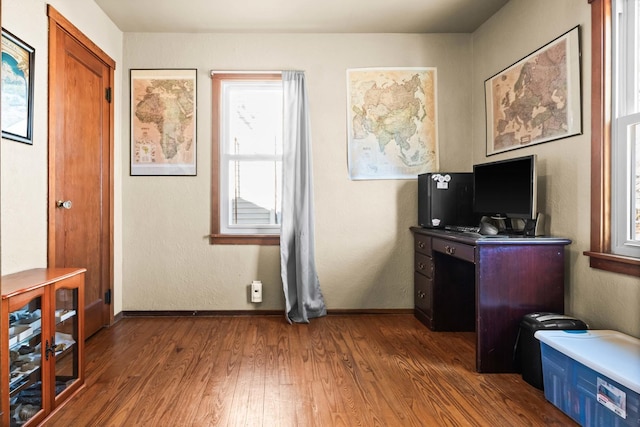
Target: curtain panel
301, 286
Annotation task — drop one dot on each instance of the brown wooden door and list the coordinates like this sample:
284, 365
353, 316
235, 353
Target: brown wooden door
80, 165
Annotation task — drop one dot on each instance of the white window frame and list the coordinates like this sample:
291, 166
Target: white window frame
221, 231
227, 159
625, 125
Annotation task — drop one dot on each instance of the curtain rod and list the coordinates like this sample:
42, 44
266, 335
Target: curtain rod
246, 72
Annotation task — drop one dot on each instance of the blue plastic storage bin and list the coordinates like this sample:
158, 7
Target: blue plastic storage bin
592, 376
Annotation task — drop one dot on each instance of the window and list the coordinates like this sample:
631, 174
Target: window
247, 158
625, 139
615, 237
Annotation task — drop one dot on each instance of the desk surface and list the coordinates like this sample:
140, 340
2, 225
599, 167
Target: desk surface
500, 239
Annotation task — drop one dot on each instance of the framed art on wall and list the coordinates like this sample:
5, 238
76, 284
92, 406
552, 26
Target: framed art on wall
17, 88
537, 99
163, 122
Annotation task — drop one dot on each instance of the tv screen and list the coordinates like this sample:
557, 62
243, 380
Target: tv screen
506, 188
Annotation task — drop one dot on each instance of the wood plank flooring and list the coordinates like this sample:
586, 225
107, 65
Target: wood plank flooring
340, 370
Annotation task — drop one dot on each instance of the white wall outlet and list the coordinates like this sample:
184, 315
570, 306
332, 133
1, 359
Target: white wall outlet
256, 291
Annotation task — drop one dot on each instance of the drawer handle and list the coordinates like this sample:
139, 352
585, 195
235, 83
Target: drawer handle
421, 266
421, 294
450, 250
421, 244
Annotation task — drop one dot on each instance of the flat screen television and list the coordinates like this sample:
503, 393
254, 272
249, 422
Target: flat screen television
506, 188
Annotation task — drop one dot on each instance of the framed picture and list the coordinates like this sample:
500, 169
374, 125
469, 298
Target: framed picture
163, 122
537, 99
17, 88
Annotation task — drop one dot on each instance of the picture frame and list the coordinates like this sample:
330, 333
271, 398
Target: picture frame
537, 99
163, 122
18, 61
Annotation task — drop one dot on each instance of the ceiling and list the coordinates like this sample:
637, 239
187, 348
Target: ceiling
300, 16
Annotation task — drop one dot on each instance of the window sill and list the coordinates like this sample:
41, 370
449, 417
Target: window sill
249, 239
615, 263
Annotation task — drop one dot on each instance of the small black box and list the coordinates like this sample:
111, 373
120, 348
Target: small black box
527, 350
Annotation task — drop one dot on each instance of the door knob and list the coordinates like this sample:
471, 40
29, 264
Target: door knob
63, 204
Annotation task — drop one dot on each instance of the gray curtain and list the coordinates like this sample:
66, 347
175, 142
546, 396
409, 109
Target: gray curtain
297, 243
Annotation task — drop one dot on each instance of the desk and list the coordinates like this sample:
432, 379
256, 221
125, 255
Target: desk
486, 285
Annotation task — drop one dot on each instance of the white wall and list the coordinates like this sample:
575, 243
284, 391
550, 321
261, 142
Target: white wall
24, 167
364, 246
24, 178
605, 300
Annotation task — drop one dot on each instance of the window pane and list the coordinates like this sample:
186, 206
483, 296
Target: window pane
247, 148
625, 145
635, 70
635, 235
254, 118
255, 192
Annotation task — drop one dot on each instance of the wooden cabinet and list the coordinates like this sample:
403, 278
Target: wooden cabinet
486, 284
42, 342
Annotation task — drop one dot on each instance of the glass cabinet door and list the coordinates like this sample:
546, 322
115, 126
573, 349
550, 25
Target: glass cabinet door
66, 368
25, 361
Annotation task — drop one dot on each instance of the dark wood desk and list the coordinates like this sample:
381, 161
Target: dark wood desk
486, 285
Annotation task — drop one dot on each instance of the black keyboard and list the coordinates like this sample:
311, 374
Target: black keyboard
462, 228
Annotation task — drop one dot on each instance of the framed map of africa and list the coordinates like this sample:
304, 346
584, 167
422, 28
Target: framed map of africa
537, 99
391, 122
163, 122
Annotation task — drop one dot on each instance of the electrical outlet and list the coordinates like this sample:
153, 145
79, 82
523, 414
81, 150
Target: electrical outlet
256, 291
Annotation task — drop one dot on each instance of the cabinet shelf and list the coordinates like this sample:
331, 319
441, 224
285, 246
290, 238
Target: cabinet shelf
23, 339
22, 380
62, 315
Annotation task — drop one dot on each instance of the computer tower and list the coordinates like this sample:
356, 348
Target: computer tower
446, 199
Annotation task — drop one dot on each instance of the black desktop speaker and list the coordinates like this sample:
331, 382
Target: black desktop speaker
534, 227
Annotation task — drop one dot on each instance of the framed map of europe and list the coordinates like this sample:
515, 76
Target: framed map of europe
537, 99
163, 122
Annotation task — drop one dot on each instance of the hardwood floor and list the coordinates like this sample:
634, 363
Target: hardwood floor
340, 370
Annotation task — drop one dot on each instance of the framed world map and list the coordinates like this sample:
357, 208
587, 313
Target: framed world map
163, 122
392, 122
537, 99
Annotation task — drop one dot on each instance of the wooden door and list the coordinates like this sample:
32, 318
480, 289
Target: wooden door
80, 164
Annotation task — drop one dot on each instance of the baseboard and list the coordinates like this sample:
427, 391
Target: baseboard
118, 317
350, 311
214, 313
200, 313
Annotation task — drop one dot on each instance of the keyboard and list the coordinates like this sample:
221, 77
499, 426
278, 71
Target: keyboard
462, 228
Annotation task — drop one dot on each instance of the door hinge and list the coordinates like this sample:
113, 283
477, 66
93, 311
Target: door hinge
107, 95
107, 297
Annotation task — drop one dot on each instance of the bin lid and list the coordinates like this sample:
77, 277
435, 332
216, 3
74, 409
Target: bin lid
610, 353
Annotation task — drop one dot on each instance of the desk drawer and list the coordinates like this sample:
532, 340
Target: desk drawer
423, 264
455, 249
423, 297
423, 244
